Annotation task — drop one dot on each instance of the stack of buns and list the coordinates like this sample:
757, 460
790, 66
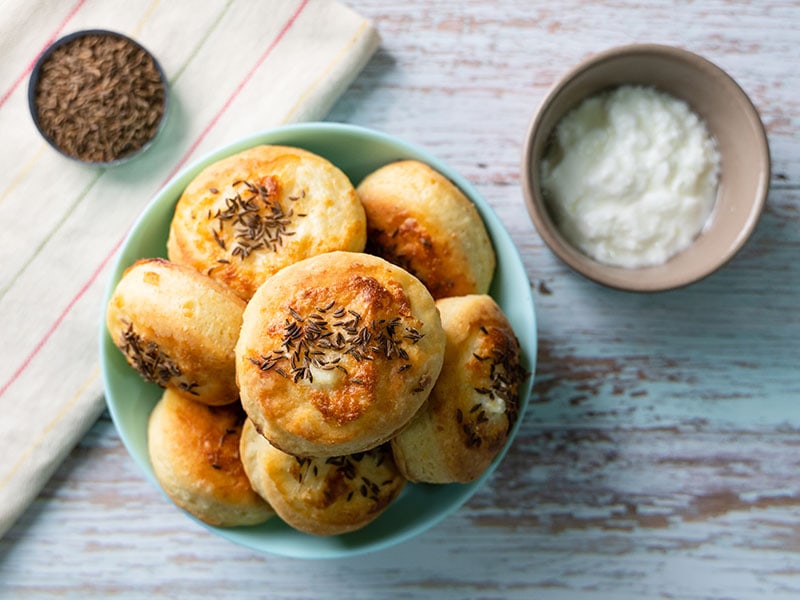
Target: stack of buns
319, 345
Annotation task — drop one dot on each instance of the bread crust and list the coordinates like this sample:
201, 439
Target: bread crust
178, 329
247, 216
418, 219
194, 450
337, 353
321, 496
468, 416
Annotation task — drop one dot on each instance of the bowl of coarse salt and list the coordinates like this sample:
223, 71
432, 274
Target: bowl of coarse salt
646, 168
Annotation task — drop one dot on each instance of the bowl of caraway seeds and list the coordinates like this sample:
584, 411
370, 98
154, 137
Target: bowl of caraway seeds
98, 97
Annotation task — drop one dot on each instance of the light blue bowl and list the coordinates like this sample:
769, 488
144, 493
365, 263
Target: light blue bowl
357, 151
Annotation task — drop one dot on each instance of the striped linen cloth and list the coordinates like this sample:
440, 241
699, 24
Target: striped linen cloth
234, 67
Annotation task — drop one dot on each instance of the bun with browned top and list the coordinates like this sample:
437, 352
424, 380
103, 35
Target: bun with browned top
471, 409
321, 496
247, 216
420, 220
194, 450
177, 328
337, 353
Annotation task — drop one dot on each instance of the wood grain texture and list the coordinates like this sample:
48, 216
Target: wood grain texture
660, 456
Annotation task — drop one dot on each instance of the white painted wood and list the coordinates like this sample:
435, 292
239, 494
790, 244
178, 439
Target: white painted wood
661, 452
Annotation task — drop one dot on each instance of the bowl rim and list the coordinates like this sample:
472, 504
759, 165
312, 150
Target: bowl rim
33, 83
578, 261
462, 492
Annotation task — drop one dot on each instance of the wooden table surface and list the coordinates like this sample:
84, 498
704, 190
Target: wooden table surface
660, 455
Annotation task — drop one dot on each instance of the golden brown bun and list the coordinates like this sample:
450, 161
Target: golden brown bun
177, 328
249, 215
467, 418
194, 450
336, 354
420, 220
321, 496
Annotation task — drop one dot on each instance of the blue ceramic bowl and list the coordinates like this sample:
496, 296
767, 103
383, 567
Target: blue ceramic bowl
357, 151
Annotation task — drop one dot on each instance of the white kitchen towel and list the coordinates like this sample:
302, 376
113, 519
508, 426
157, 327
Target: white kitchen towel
234, 67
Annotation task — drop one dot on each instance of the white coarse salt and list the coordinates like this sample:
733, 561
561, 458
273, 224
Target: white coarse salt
631, 176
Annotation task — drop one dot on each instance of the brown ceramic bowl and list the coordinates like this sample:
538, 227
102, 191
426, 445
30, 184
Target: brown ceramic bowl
731, 119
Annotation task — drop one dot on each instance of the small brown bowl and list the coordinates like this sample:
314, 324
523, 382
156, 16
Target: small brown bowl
732, 121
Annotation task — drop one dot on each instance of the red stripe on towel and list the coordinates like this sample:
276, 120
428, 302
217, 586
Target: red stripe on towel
88, 283
49, 41
60, 319
238, 89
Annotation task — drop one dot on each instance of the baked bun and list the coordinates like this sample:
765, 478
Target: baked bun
251, 214
418, 219
336, 354
177, 328
321, 496
194, 450
468, 416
